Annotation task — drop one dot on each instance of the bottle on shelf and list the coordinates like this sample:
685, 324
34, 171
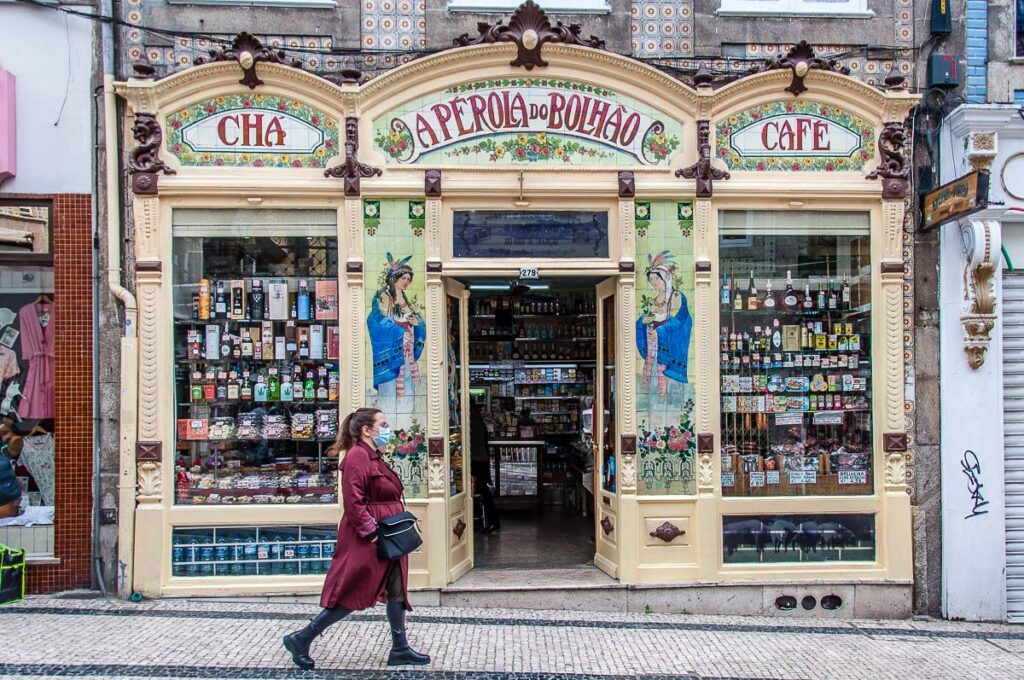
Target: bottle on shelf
822, 298
769, 302
256, 300
808, 301
302, 301
833, 297
846, 297
225, 343
220, 304
752, 300
204, 299
789, 299
726, 293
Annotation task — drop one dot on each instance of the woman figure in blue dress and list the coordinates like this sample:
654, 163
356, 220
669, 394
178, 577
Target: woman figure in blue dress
663, 331
396, 328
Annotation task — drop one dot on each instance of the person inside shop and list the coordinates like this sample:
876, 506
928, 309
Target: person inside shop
525, 419
359, 577
480, 466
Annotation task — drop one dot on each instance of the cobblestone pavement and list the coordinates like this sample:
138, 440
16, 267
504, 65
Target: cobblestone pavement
54, 637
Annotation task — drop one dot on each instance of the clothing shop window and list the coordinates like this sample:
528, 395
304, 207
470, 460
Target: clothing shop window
796, 369
27, 372
256, 351
846, 8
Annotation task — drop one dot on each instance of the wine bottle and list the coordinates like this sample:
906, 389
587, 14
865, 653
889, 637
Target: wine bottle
752, 300
256, 300
789, 300
769, 301
833, 298
225, 343
846, 297
808, 301
726, 293
737, 300
220, 305
822, 301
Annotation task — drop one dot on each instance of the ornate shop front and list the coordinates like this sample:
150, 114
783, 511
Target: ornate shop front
723, 328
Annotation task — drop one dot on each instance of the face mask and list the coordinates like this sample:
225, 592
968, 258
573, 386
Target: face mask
383, 437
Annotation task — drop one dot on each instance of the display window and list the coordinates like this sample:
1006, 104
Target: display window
256, 351
795, 353
770, 539
27, 344
252, 551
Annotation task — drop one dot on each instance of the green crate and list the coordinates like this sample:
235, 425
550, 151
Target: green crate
12, 575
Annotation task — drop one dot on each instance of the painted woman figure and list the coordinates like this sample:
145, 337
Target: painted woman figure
397, 331
663, 332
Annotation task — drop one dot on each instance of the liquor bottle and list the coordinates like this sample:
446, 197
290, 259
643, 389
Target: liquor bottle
234, 389
789, 300
303, 347
752, 301
261, 391
822, 299
238, 299
204, 299
769, 301
288, 388
726, 293
256, 300
225, 343
195, 307
247, 346
220, 303
221, 390
833, 297
737, 300
808, 301
196, 386
210, 385
303, 301
309, 387
846, 297
236, 347
245, 387
321, 388
274, 386
294, 312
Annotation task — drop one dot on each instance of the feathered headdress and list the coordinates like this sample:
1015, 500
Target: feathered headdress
393, 266
663, 263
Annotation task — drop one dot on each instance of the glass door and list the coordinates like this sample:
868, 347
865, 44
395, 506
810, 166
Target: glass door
605, 433
460, 485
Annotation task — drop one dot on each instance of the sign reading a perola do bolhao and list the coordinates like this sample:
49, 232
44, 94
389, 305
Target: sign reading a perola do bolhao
528, 120
252, 130
794, 136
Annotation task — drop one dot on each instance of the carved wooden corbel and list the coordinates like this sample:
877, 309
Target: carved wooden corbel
144, 160
980, 318
702, 170
529, 29
800, 60
894, 170
667, 532
248, 51
352, 170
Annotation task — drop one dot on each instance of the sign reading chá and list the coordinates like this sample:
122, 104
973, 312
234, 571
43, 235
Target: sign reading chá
528, 120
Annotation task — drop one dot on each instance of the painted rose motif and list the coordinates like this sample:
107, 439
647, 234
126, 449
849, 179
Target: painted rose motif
397, 142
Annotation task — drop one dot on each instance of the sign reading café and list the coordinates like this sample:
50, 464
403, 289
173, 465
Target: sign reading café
527, 120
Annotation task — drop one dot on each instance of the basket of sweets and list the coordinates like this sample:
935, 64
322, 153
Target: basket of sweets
303, 425
249, 426
327, 423
275, 427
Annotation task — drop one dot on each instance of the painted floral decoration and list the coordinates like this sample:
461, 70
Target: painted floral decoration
417, 217
642, 217
855, 161
531, 147
371, 216
684, 212
408, 444
396, 142
530, 82
669, 450
658, 144
176, 122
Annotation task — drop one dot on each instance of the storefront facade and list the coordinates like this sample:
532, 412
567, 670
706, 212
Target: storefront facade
755, 438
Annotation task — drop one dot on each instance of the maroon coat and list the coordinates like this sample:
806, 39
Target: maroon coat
371, 490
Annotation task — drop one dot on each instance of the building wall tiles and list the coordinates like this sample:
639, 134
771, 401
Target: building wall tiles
393, 24
72, 263
662, 28
977, 50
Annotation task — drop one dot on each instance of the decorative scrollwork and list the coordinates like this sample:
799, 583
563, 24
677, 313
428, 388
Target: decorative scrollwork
702, 170
144, 160
980, 318
459, 529
800, 60
894, 170
529, 29
606, 525
351, 170
248, 51
667, 532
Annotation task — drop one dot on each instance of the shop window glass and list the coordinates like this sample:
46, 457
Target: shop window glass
795, 340
256, 349
770, 539
396, 332
27, 376
252, 551
456, 447
666, 367
530, 234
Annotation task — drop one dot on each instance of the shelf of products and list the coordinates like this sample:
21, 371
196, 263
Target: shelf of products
247, 551
256, 370
795, 369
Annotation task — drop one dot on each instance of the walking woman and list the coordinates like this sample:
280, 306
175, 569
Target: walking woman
358, 578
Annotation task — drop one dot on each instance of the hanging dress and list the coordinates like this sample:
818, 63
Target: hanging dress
37, 350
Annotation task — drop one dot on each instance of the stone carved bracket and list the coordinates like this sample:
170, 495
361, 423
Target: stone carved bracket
702, 170
432, 184
150, 481
248, 51
706, 471
981, 318
144, 161
894, 170
529, 29
896, 469
800, 60
351, 169
667, 532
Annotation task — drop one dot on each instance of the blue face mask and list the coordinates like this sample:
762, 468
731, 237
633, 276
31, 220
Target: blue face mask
383, 437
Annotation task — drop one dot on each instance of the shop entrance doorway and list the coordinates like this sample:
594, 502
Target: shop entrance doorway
531, 371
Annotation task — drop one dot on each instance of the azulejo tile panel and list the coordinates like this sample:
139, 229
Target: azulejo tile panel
662, 28
393, 24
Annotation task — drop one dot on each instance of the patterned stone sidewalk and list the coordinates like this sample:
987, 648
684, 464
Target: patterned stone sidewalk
55, 637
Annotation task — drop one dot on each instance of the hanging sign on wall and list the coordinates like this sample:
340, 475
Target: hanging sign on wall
528, 120
252, 130
794, 136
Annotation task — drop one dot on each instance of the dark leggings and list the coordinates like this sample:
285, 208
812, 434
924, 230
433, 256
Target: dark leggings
393, 585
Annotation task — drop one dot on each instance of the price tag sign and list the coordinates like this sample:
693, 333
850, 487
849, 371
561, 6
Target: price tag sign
728, 479
772, 476
828, 418
803, 477
789, 418
756, 479
528, 273
853, 477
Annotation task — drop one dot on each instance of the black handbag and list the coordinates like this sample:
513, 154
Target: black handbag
397, 536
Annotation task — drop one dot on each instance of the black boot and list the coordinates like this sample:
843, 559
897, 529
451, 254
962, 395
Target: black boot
401, 653
298, 642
